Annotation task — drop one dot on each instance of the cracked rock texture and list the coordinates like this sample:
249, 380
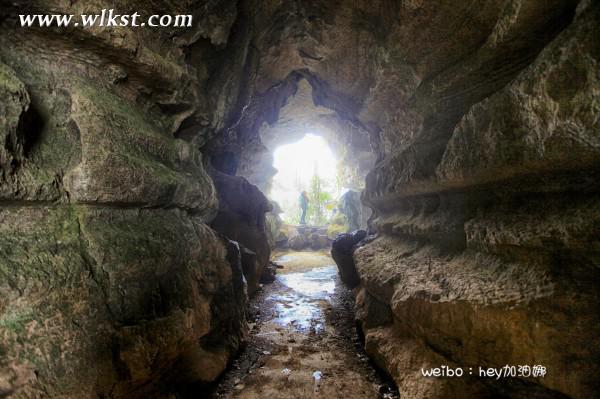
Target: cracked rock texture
111, 282
488, 251
472, 128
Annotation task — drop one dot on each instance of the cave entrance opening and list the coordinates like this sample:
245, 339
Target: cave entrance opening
298, 144
307, 165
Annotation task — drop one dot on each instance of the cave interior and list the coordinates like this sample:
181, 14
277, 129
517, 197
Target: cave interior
137, 232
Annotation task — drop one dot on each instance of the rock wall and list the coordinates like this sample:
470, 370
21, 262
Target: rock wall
487, 251
111, 282
242, 217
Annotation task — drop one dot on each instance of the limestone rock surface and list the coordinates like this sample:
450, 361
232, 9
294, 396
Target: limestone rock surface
111, 282
487, 254
111, 302
298, 242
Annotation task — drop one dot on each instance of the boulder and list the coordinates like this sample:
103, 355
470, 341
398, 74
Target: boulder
282, 241
341, 251
303, 229
269, 272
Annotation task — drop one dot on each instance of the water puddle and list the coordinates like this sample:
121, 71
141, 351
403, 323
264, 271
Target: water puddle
300, 307
316, 283
302, 343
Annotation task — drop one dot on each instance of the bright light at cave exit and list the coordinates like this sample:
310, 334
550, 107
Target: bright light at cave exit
296, 164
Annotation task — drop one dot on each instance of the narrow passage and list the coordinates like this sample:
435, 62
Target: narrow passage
303, 328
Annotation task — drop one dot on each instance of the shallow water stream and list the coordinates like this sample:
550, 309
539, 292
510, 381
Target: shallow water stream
303, 343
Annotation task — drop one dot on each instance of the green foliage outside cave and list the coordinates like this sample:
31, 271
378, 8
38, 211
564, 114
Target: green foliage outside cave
322, 196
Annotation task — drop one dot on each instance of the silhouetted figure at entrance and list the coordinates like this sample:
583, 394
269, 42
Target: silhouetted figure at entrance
303, 206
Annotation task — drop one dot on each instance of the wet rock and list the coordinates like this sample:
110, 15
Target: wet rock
341, 252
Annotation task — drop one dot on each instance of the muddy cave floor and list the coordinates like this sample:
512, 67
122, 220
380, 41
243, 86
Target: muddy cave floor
301, 323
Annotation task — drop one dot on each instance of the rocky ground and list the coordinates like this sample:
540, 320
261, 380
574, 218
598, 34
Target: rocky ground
303, 323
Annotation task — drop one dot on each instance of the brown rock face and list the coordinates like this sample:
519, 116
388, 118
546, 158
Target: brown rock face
478, 124
111, 282
109, 309
487, 252
341, 251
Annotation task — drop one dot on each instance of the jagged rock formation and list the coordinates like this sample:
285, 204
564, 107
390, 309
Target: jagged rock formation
477, 120
260, 131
